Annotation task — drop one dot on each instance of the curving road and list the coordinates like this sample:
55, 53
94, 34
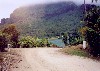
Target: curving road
50, 59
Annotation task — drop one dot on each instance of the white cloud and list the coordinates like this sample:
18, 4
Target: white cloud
7, 6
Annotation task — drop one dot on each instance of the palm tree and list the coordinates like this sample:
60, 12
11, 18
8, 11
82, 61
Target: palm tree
84, 7
94, 0
85, 4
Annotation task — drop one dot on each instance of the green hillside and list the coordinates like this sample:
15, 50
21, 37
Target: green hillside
47, 19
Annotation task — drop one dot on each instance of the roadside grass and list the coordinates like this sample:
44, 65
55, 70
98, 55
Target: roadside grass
75, 50
78, 51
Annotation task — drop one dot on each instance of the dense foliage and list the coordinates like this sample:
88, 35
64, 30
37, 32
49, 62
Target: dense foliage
3, 42
9, 35
72, 38
12, 34
92, 21
30, 42
48, 20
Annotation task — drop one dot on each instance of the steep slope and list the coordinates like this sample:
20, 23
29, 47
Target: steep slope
47, 19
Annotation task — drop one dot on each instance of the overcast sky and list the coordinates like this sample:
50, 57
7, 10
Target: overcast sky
8, 6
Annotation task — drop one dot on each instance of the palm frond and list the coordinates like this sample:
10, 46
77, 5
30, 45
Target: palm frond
94, 0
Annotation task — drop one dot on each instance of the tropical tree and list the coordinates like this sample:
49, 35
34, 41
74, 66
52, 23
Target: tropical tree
3, 42
26, 42
12, 34
91, 31
85, 4
92, 22
94, 0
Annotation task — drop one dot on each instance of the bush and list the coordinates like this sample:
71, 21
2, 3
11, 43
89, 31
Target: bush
28, 42
74, 38
93, 39
92, 22
12, 34
3, 42
76, 41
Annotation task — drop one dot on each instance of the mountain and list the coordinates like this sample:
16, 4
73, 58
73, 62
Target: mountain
47, 19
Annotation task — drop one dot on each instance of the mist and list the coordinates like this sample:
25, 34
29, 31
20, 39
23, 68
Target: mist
8, 6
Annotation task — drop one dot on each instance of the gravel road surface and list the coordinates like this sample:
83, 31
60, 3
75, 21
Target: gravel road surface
50, 59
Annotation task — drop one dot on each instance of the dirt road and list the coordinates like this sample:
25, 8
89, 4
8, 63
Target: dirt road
50, 59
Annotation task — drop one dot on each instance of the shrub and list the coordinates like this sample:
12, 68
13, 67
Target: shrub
74, 38
28, 41
12, 34
92, 22
3, 42
76, 41
93, 39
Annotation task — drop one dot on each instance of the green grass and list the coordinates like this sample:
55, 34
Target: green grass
75, 50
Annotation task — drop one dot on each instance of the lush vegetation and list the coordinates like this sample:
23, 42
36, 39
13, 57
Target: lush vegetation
90, 32
72, 38
48, 20
51, 20
9, 35
92, 22
30, 42
3, 42
12, 34
75, 50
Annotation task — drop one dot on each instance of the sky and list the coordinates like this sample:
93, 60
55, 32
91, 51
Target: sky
8, 6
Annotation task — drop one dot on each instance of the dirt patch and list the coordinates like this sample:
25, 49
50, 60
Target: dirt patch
49, 59
9, 59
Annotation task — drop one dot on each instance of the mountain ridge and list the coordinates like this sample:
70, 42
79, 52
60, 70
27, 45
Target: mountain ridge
48, 19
